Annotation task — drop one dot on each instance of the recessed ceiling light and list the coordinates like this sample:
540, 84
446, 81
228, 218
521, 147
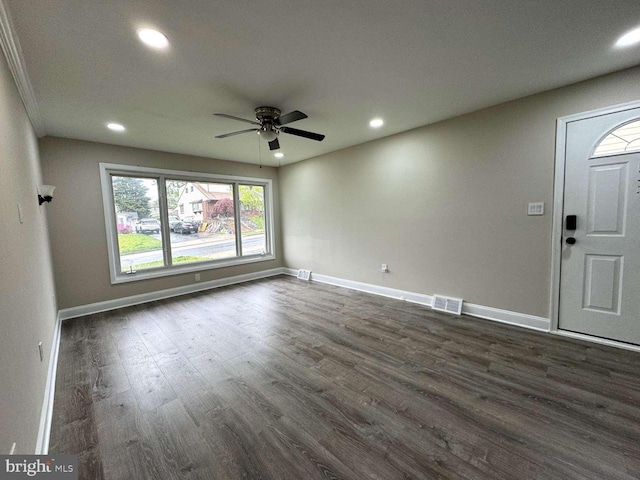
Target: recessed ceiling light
376, 123
153, 38
278, 155
116, 127
629, 38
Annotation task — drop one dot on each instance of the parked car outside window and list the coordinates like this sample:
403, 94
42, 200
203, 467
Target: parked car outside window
185, 227
172, 222
148, 225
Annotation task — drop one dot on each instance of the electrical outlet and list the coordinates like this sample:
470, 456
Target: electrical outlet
197, 277
385, 268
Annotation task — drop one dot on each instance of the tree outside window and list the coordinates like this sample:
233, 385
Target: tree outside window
221, 221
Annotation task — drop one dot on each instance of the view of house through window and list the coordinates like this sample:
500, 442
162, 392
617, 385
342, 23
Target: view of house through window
202, 221
205, 226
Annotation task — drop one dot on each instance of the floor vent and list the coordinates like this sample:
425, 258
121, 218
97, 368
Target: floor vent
304, 274
447, 304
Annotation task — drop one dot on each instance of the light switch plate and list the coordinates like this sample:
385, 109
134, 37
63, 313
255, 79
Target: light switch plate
535, 208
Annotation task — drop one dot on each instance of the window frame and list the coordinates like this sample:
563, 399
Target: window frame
595, 156
193, 207
107, 170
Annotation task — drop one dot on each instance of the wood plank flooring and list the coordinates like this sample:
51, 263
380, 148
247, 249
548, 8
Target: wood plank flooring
284, 379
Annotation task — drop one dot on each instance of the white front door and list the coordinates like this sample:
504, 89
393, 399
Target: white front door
600, 272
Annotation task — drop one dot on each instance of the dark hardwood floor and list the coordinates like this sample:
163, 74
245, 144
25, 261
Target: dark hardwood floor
283, 379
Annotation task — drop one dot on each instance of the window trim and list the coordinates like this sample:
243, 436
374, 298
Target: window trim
595, 156
108, 207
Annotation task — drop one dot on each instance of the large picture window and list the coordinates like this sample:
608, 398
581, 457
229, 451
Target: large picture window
165, 222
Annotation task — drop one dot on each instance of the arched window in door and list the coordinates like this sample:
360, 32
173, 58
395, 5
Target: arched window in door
624, 139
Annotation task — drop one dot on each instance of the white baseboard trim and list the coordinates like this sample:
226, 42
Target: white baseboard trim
480, 311
601, 341
44, 430
368, 288
506, 316
107, 305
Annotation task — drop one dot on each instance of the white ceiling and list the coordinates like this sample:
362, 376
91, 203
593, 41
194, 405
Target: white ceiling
412, 62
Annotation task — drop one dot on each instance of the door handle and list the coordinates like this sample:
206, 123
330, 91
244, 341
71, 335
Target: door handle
570, 240
571, 222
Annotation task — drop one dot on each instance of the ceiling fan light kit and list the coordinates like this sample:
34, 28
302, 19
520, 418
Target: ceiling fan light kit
270, 123
268, 133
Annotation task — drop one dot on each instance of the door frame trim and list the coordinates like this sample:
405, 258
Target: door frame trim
558, 216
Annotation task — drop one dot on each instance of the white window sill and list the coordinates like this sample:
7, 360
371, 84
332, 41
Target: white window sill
151, 273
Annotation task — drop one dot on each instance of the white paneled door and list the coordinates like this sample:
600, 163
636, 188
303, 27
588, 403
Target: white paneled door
600, 267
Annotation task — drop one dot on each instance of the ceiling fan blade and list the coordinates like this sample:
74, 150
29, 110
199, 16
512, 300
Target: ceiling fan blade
290, 117
237, 133
302, 133
274, 144
236, 118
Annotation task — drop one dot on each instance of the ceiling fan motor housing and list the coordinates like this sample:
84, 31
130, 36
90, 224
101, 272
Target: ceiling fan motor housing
267, 117
267, 114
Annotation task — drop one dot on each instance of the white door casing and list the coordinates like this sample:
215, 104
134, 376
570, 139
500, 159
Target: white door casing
599, 284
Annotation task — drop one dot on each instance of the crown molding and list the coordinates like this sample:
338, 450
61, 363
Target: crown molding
13, 53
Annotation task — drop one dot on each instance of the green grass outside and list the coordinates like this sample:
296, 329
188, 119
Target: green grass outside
182, 259
136, 242
252, 232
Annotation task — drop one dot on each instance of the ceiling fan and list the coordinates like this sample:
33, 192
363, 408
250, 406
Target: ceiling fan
269, 123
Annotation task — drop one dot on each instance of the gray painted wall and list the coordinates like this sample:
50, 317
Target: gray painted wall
27, 301
445, 206
77, 228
